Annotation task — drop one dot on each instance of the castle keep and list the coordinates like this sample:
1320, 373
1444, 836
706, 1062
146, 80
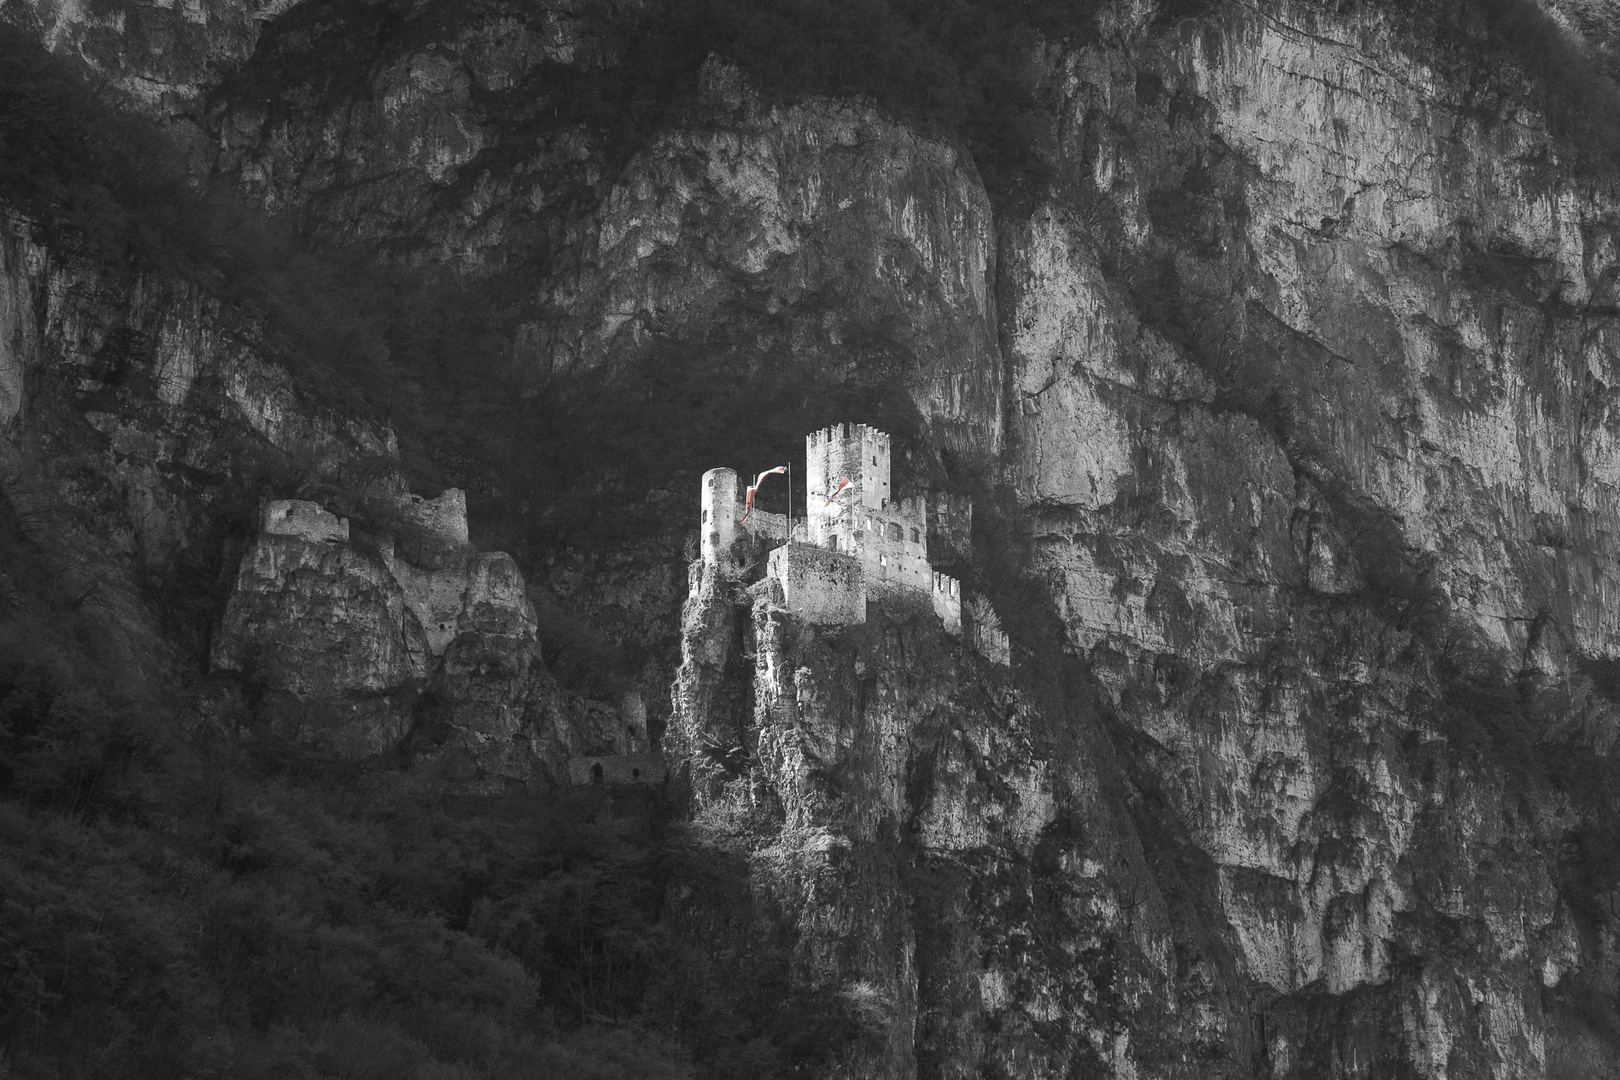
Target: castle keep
866, 545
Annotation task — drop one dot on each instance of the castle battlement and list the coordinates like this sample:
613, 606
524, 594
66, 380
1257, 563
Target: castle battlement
855, 452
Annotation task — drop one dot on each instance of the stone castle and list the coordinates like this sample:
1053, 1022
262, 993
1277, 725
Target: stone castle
866, 545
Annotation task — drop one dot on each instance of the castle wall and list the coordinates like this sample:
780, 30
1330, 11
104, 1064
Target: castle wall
444, 518
482, 591
818, 585
721, 509
765, 526
617, 769
896, 549
305, 520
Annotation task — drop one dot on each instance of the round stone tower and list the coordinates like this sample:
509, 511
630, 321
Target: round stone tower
720, 512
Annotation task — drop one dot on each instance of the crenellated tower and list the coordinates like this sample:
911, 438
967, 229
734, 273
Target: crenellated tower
855, 451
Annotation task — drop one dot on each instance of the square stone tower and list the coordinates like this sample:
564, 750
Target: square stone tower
855, 451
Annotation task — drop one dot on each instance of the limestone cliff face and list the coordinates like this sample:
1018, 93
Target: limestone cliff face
136, 412
811, 233
1290, 407
1395, 311
1309, 380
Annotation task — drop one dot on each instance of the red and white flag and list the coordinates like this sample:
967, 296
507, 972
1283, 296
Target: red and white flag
843, 486
748, 499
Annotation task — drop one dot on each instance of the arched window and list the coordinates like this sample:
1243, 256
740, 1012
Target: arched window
705, 515
596, 773
894, 532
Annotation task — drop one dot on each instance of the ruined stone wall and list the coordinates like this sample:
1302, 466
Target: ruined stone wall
617, 769
305, 520
818, 585
766, 527
444, 519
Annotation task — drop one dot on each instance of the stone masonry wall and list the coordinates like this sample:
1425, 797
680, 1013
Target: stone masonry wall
617, 769
818, 585
444, 518
305, 520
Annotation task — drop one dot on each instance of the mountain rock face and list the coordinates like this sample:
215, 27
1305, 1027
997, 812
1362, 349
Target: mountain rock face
1288, 405
368, 653
1308, 415
163, 55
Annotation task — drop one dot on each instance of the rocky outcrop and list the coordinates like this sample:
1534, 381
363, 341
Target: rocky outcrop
814, 232
1289, 402
140, 418
353, 647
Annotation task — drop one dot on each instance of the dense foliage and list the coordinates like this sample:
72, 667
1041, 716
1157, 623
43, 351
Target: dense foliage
179, 898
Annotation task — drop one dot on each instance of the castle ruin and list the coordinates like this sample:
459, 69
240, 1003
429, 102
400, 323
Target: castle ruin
308, 521
617, 769
865, 545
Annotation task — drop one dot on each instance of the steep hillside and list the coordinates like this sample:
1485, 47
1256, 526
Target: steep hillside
1275, 348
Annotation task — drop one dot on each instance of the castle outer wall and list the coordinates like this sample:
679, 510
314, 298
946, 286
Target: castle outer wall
617, 769
818, 585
